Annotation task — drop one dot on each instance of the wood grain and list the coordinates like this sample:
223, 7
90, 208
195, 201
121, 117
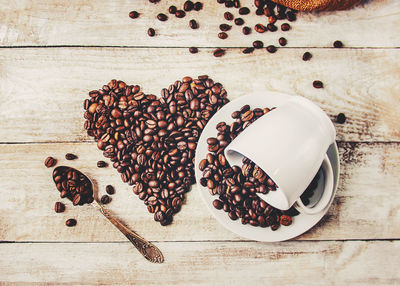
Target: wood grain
75, 22
365, 207
204, 263
42, 90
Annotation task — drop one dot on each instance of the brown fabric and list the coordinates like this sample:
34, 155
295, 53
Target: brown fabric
318, 5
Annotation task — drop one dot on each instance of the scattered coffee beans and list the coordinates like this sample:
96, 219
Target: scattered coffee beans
307, 56
228, 16
246, 30
193, 24
73, 185
285, 27
258, 44
239, 21
133, 14
260, 28
180, 14
59, 207
101, 164
341, 118
193, 50
151, 32
225, 27
70, 156
318, 84
219, 52
110, 190
282, 41
162, 17
198, 6
50, 162
338, 44
222, 35
151, 141
70, 222
248, 50
105, 199
244, 11
188, 6
172, 9
271, 49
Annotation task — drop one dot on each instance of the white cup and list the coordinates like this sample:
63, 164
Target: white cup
289, 144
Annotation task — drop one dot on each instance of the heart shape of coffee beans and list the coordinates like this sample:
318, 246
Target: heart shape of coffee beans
152, 141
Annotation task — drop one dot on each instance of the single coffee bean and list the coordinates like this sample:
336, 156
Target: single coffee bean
246, 30
285, 27
70, 156
70, 222
180, 14
133, 14
338, 44
172, 9
193, 24
105, 199
198, 6
291, 16
271, 49
307, 56
272, 27
193, 50
50, 162
229, 4
222, 35
258, 44
218, 204
162, 17
260, 28
260, 12
228, 16
188, 6
236, 3
101, 164
318, 84
272, 19
282, 41
151, 32
59, 207
219, 52
341, 118
248, 50
225, 27
244, 11
285, 220
110, 190
239, 21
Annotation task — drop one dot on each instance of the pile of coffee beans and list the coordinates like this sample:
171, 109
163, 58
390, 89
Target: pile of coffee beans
73, 185
152, 141
236, 186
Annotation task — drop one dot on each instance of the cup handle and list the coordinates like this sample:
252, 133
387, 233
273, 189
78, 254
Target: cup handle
326, 195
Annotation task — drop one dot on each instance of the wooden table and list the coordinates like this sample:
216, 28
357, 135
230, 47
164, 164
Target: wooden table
53, 52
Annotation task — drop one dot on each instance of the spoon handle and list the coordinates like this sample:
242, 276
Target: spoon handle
147, 249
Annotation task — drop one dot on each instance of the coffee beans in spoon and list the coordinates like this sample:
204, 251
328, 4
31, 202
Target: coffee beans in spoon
152, 141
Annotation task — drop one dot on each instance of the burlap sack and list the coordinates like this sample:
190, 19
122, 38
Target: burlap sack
318, 5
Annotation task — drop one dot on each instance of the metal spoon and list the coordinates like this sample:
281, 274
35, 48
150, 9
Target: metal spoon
147, 249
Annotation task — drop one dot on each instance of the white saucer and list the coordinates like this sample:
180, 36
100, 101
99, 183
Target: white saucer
302, 222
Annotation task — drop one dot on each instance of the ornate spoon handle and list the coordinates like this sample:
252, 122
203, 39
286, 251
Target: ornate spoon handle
147, 249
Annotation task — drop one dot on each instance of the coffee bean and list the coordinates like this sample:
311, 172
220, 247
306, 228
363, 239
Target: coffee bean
218, 204
133, 14
244, 108
110, 190
70, 156
162, 17
172, 9
246, 30
291, 16
307, 56
219, 52
59, 207
341, 118
239, 21
338, 44
198, 6
188, 6
271, 49
285, 27
285, 220
258, 44
50, 162
272, 19
180, 14
228, 16
70, 222
229, 4
151, 32
101, 164
222, 35
272, 27
193, 50
318, 84
244, 11
225, 27
193, 24
260, 28
105, 199
248, 50
282, 41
